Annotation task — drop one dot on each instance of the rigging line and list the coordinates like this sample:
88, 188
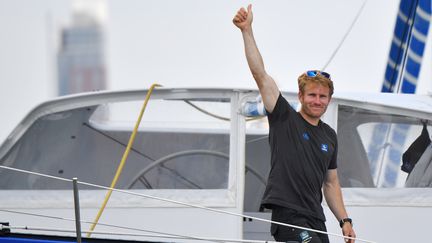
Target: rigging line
224, 212
118, 141
145, 182
345, 36
101, 224
31, 228
35, 173
202, 207
39, 215
257, 139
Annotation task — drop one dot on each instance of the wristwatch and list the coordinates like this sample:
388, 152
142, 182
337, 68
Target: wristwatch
343, 221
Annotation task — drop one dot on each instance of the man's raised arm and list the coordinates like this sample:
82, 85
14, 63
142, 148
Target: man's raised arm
266, 85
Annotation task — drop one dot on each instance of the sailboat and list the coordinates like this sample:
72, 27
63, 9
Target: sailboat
197, 167
194, 165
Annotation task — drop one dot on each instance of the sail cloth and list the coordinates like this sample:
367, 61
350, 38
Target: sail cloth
411, 29
401, 75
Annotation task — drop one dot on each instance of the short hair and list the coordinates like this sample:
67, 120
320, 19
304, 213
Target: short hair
304, 79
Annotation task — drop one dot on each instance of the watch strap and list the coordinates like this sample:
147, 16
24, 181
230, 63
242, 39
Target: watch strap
343, 221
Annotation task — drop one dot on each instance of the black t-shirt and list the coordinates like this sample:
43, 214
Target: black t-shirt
301, 155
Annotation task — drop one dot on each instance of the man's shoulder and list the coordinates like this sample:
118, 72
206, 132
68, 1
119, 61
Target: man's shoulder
281, 107
284, 104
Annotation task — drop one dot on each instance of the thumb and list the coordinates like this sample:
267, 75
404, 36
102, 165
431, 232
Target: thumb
249, 9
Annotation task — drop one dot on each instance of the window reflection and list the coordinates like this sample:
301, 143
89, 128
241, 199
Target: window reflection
372, 147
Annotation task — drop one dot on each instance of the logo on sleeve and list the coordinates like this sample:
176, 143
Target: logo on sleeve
324, 147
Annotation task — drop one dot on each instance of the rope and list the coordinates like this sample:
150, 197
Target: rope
217, 116
345, 36
123, 160
35, 173
197, 206
206, 112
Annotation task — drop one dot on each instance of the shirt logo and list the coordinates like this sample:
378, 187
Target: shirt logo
305, 136
305, 237
324, 147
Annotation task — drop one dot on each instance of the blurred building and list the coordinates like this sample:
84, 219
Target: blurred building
81, 55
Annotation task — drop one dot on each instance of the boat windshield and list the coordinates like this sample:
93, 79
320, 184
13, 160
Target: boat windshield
180, 144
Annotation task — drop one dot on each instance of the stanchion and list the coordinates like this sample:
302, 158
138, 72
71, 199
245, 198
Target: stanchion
77, 209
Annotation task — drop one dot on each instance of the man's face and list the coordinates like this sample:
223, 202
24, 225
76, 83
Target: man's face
314, 100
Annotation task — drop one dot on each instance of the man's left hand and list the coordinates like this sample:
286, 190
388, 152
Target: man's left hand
347, 230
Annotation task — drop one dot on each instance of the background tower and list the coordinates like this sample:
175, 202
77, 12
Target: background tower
81, 56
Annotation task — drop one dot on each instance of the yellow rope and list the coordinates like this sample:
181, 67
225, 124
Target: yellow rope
123, 160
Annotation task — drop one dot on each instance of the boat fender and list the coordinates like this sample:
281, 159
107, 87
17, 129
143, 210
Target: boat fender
253, 108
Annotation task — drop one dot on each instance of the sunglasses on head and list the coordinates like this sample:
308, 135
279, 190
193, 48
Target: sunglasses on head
314, 73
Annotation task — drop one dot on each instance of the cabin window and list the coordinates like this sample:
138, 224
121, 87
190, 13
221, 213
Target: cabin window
372, 147
179, 145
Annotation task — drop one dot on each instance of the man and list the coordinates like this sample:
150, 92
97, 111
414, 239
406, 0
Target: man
303, 150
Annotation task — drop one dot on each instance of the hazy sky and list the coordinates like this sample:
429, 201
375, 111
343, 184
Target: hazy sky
194, 43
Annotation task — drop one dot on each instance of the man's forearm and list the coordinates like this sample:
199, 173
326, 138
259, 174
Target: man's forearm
333, 196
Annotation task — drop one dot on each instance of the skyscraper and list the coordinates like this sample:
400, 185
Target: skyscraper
81, 55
